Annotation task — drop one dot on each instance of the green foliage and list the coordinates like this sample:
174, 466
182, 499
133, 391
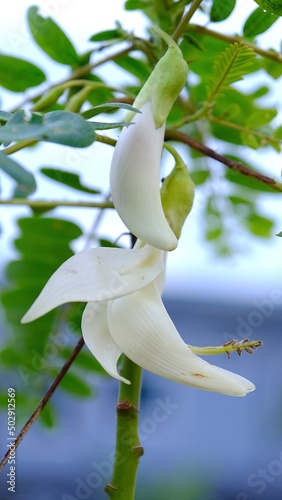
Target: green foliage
51, 39
25, 180
258, 22
35, 351
19, 75
67, 179
221, 9
216, 107
229, 67
272, 6
60, 127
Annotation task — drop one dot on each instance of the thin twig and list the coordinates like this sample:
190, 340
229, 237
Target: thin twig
270, 54
185, 20
175, 135
78, 73
43, 402
49, 205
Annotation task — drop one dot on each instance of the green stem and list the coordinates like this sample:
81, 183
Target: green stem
128, 449
49, 205
185, 20
241, 128
270, 54
18, 146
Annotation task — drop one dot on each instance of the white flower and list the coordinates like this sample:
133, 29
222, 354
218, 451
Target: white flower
135, 180
125, 314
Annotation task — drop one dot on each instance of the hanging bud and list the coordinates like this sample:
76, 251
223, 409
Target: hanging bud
165, 82
49, 99
135, 168
177, 193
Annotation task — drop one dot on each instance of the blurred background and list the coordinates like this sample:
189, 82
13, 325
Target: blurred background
202, 446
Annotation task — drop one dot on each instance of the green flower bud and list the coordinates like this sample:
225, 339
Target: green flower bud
47, 100
273, 6
76, 101
177, 194
164, 84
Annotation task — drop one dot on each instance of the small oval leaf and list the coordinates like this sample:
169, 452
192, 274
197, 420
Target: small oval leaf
19, 75
258, 22
50, 38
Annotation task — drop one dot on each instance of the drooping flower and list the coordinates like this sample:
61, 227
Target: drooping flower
135, 181
125, 314
135, 168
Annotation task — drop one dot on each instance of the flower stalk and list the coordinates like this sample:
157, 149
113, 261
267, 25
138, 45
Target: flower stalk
128, 448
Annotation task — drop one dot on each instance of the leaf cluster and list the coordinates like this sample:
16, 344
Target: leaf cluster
216, 107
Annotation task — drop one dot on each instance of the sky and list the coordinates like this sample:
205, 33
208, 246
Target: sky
193, 270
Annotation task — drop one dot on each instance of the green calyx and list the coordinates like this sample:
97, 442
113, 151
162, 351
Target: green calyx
272, 6
165, 82
177, 193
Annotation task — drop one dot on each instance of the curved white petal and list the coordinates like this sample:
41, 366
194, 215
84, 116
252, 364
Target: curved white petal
135, 181
97, 274
141, 327
98, 339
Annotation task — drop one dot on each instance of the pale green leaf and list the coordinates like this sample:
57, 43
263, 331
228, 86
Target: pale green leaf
230, 67
50, 38
25, 180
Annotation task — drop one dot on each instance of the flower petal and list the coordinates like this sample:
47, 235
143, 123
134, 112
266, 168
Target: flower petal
135, 181
97, 274
98, 339
141, 327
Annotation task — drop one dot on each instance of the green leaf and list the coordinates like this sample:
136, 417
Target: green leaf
68, 128
273, 68
67, 178
221, 9
272, 6
261, 117
109, 125
259, 225
48, 417
5, 116
258, 22
279, 234
51, 39
84, 360
136, 4
135, 67
75, 385
44, 244
199, 176
60, 127
278, 132
106, 35
229, 67
110, 106
19, 75
25, 180
98, 95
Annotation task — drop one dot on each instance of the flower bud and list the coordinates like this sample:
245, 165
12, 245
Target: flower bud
177, 194
164, 84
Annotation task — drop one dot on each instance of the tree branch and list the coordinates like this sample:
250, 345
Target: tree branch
43, 402
175, 135
270, 54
